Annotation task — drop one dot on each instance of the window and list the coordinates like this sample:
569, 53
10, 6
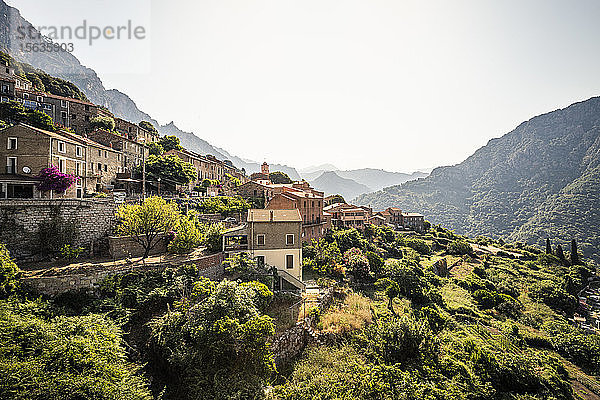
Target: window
99, 153
260, 261
63, 104
91, 167
289, 239
62, 165
63, 114
105, 154
61, 147
105, 168
78, 169
260, 240
25, 95
118, 157
40, 99
99, 167
12, 143
87, 118
79, 151
4, 88
289, 261
11, 165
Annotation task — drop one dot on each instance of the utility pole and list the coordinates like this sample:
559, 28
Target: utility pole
142, 140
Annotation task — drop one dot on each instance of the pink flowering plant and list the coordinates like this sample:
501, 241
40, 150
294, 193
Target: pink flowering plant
52, 179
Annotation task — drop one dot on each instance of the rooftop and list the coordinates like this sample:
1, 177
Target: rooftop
261, 215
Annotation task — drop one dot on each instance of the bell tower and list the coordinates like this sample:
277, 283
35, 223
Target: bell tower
264, 169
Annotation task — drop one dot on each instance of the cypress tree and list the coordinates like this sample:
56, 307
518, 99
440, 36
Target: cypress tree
574, 254
548, 246
560, 253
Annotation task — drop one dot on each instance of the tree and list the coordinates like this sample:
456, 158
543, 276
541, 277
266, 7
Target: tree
213, 237
391, 290
148, 126
356, 263
9, 273
217, 348
560, 253
40, 120
574, 255
155, 149
170, 143
548, 246
279, 177
102, 122
187, 235
146, 222
12, 111
171, 168
338, 198
52, 179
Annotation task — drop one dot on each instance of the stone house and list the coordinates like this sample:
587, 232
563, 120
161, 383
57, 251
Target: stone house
413, 221
102, 164
25, 151
310, 204
135, 132
273, 238
133, 153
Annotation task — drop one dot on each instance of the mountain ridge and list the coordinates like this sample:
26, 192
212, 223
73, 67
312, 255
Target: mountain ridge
510, 186
66, 66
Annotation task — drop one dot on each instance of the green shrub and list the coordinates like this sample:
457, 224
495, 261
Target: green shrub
9, 273
187, 235
70, 253
459, 247
551, 294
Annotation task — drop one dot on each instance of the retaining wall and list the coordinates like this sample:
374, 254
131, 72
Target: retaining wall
20, 221
89, 276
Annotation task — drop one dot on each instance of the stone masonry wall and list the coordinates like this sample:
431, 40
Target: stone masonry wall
289, 343
126, 247
20, 221
88, 277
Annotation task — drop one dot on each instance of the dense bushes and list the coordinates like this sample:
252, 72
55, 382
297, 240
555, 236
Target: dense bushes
63, 357
550, 293
459, 247
216, 348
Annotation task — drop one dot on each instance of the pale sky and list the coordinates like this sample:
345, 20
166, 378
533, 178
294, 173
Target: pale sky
399, 85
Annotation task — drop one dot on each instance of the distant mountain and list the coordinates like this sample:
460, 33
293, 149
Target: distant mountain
375, 179
318, 168
331, 183
66, 66
540, 180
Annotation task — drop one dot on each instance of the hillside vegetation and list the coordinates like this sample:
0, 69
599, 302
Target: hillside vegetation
41, 81
538, 181
431, 316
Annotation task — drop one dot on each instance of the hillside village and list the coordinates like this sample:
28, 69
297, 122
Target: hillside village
104, 215
106, 157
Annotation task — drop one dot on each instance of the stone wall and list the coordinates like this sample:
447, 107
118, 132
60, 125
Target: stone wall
290, 343
126, 247
88, 276
20, 220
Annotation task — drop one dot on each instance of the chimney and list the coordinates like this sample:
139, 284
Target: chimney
271, 216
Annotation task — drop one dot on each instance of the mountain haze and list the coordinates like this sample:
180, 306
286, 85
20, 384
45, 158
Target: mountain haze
66, 66
540, 180
331, 183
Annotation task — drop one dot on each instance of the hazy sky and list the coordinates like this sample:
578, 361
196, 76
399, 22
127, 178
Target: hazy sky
398, 85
